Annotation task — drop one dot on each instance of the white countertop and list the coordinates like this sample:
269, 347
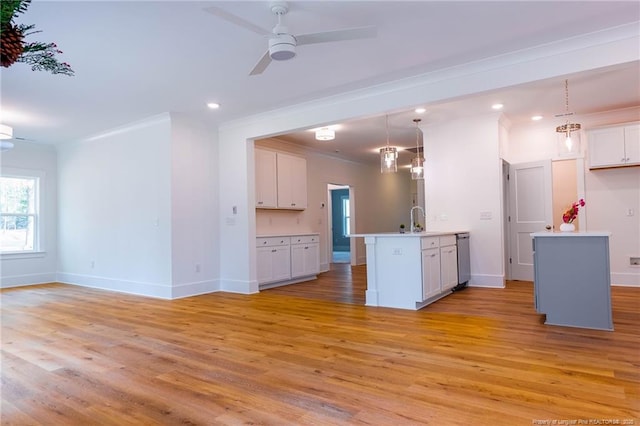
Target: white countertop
409, 234
570, 234
286, 234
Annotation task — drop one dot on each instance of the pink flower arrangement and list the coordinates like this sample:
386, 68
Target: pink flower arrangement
572, 212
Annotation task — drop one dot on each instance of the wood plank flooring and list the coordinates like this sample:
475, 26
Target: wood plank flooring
311, 354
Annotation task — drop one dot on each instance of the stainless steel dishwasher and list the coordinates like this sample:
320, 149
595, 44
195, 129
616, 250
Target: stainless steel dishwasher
464, 262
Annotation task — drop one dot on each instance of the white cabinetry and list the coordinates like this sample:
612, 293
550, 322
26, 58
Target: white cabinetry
273, 259
292, 182
281, 180
448, 262
439, 265
430, 273
615, 146
266, 182
287, 259
305, 256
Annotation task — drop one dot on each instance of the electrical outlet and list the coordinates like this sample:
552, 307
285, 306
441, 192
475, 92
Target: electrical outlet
634, 261
197, 267
397, 251
93, 264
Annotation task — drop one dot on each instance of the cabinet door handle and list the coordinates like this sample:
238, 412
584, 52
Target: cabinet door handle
306, 248
293, 204
622, 160
274, 250
260, 202
433, 255
264, 242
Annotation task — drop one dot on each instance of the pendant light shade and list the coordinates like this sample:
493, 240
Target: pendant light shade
417, 164
6, 132
568, 133
388, 155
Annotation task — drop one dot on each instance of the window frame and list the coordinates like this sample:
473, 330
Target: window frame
38, 227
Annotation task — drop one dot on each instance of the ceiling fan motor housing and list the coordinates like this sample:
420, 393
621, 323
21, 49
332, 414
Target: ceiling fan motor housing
282, 47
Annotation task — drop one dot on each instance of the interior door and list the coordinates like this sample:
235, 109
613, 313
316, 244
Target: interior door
530, 193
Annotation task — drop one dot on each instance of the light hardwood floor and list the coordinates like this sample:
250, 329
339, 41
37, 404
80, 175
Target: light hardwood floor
311, 353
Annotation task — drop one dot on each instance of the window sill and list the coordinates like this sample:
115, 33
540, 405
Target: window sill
22, 255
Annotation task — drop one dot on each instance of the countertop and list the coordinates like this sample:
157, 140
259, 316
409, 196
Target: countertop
571, 234
286, 234
409, 234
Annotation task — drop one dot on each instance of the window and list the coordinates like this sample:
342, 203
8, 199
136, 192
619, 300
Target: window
19, 211
346, 216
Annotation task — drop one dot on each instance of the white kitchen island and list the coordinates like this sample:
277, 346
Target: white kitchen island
411, 270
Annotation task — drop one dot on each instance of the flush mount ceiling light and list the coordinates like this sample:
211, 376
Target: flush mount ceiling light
388, 155
213, 105
569, 135
325, 134
417, 164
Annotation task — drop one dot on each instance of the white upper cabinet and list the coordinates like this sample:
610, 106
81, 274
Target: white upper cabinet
615, 146
292, 182
266, 179
281, 180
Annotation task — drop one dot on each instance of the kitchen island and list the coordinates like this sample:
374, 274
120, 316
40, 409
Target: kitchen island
572, 278
411, 270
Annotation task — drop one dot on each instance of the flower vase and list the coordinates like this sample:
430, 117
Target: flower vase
567, 227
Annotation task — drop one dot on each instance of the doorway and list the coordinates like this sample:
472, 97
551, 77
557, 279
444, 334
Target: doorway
340, 220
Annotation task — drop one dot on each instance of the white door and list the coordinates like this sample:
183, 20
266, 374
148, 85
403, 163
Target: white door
530, 211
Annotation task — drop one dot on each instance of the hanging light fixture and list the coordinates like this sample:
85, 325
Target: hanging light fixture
6, 132
569, 135
388, 155
325, 134
417, 164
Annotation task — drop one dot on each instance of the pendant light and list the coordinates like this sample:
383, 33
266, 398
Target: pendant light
388, 155
417, 164
569, 135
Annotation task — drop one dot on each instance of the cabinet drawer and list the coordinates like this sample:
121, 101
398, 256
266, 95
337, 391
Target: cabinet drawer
272, 241
429, 242
447, 240
304, 239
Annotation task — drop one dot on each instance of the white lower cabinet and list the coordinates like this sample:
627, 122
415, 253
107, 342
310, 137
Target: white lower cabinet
439, 265
430, 273
287, 259
449, 265
273, 259
305, 256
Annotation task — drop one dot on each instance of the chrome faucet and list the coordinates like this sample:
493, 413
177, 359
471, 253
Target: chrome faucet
413, 227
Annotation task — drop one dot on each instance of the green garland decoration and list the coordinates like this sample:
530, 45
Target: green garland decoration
40, 56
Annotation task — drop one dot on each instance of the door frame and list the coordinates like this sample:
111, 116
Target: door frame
352, 221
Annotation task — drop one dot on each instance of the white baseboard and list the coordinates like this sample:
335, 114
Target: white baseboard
162, 291
625, 279
27, 279
194, 289
237, 286
482, 280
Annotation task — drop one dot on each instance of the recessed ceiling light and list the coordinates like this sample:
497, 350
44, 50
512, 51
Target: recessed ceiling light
420, 110
213, 105
497, 106
536, 118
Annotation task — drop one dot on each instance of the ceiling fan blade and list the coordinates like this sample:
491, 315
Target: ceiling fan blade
338, 35
236, 20
262, 64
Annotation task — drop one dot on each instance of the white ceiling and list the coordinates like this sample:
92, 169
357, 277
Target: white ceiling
134, 60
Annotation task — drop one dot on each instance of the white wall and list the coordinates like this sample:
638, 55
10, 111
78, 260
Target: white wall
40, 268
462, 179
194, 216
609, 193
382, 202
115, 210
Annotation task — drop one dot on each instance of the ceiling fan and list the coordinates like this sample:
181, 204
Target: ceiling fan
282, 44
